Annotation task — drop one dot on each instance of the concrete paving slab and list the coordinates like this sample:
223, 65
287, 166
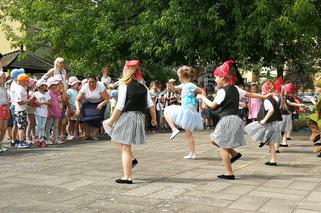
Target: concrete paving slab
80, 177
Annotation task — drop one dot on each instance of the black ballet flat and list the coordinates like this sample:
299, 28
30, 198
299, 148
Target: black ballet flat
236, 157
316, 138
319, 155
263, 143
270, 164
288, 139
284, 145
121, 181
227, 177
134, 163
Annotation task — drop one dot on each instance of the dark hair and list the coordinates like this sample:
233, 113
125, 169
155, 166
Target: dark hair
92, 76
255, 85
157, 83
104, 67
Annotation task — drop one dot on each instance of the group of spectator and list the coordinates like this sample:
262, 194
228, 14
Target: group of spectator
53, 109
58, 107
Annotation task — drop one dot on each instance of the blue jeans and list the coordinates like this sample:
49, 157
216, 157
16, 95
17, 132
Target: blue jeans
52, 123
41, 126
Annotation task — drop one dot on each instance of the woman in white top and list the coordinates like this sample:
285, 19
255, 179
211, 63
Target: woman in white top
106, 79
58, 72
90, 105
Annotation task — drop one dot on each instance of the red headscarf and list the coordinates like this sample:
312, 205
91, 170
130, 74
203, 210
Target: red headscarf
278, 84
223, 71
133, 63
289, 88
267, 87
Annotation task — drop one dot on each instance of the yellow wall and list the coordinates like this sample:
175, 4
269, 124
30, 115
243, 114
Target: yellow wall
5, 45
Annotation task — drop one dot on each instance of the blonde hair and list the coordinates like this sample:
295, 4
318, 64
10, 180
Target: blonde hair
187, 73
129, 75
57, 61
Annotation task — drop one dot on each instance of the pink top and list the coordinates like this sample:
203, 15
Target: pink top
54, 108
255, 105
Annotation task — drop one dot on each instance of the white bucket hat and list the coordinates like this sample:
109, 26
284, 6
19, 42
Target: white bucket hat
41, 82
52, 81
73, 80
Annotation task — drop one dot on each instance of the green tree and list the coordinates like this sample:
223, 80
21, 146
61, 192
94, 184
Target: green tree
168, 33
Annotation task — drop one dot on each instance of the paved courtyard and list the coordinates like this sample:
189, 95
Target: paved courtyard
79, 177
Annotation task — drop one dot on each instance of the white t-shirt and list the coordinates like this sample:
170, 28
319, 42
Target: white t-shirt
220, 96
93, 96
122, 91
59, 74
42, 110
268, 104
106, 80
4, 96
12, 91
20, 95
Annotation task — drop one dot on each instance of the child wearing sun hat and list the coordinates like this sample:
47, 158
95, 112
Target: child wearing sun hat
21, 100
72, 92
41, 101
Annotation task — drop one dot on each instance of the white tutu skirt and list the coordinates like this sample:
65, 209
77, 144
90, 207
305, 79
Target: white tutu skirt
269, 133
185, 118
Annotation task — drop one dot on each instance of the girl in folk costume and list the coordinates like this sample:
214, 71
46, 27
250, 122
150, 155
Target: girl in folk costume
127, 123
185, 115
267, 129
314, 120
287, 105
227, 104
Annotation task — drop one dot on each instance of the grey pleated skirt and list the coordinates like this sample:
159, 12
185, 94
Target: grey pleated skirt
286, 123
269, 133
129, 129
229, 132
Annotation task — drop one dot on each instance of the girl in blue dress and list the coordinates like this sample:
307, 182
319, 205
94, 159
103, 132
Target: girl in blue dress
185, 115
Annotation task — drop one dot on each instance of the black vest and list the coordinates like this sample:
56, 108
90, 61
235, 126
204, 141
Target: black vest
230, 105
290, 99
136, 97
276, 116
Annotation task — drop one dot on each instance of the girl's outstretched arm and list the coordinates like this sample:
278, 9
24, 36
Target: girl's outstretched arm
295, 104
203, 93
256, 95
173, 88
206, 101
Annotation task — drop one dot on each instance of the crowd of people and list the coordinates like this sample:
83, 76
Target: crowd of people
53, 109
58, 107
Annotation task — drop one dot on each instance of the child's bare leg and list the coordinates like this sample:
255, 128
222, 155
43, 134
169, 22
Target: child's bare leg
227, 161
273, 153
190, 141
170, 122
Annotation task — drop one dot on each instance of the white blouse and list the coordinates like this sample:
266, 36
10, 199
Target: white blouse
93, 96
